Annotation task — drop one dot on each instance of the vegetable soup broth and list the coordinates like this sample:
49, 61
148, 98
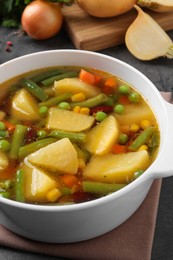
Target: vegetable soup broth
71, 134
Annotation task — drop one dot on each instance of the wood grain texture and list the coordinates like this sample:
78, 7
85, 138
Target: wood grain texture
91, 33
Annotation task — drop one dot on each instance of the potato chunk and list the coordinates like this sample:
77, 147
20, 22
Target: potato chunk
60, 157
24, 106
75, 85
116, 168
3, 161
37, 184
68, 120
101, 137
134, 114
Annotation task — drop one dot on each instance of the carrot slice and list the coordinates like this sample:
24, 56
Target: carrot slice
70, 180
123, 100
118, 148
109, 86
10, 127
89, 77
8, 173
111, 82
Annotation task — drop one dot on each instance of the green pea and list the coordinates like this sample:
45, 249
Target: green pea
123, 138
41, 134
119, 109
2, 126
4, 145
124, 89
64, 105
100, 116
43, 110
134, 97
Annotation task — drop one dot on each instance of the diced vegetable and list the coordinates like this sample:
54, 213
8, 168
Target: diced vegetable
89, 77
91, 102
70, 180
59, 157
65, 75
109, 86
101, 137
34, 146
19, 185
34, 89
55, 100
74, 137
118, 148
101, 188
17, 140
75, 85
142, 138
134, 113
24, 106
113, 168
45, 75
68, 120
37, 184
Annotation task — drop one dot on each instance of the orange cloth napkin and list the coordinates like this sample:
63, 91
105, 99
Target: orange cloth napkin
132, 240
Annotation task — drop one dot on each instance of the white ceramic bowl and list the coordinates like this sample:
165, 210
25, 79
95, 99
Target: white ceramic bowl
72, 223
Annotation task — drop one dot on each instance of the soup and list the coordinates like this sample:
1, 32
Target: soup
71, 135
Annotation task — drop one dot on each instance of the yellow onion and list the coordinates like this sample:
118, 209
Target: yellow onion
159, 6
102, 8
146, 40
42, 19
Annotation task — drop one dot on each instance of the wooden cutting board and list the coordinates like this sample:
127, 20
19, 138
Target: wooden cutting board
94, 34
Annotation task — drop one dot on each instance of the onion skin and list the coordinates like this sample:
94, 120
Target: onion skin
41, 19
104, 9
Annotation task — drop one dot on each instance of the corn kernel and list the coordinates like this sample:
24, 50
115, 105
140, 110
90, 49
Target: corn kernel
85, 110
145, 123
76, 109
53, 195
143, 147
78, 97
134, 128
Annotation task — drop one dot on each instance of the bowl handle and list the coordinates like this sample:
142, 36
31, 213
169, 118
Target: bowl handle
164, 166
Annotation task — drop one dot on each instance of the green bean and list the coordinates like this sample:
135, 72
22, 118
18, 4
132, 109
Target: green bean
17, 140
4, 133
34, 146
6, 185
65, 191
5, 194
82, 153
74, 137
13, 88
34, 89
45, 75
91, 102
19, 183
142, 138
51, 80
55, 100
101, 188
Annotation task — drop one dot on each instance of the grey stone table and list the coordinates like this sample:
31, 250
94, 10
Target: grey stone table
160, 72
